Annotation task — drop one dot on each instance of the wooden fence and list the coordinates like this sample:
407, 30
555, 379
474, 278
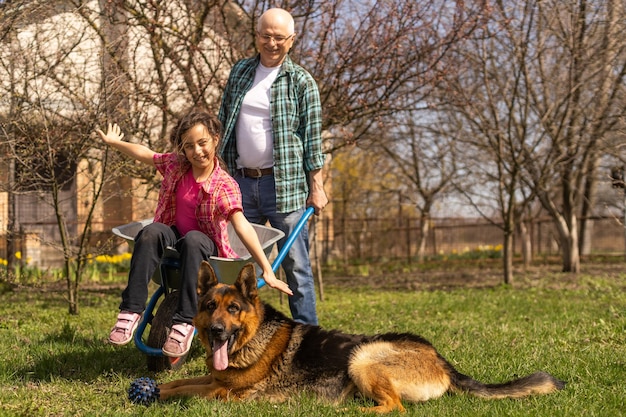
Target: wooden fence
372, 239
348, 240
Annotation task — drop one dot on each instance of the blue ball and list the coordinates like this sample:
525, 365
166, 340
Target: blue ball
143, 390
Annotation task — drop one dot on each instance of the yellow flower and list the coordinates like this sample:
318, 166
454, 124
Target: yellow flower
113, 259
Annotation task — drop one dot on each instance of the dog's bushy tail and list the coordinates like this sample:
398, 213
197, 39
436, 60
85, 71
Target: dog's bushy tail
537, 383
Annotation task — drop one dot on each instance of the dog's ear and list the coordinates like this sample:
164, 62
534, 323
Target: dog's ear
246, 281
206, 278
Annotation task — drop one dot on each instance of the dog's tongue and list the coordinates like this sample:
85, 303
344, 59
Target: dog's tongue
220, 355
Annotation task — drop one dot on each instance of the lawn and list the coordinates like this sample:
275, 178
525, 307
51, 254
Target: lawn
574, 327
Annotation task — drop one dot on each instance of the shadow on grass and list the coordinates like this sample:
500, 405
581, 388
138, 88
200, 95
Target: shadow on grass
68, 355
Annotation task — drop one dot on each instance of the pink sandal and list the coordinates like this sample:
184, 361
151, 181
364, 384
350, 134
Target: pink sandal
178, 342
126, 324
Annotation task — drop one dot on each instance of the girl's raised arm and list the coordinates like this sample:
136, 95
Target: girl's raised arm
113, 138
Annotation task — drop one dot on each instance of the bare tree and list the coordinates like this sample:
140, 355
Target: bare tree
425, 164
9, 63
578, 108
487, 108
47, 131
542, 94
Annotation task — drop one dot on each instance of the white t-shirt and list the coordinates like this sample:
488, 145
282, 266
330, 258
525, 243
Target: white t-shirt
255, 145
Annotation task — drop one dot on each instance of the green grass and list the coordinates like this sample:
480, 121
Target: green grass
54, 364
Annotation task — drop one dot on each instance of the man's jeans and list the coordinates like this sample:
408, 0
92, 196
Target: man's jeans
259, 206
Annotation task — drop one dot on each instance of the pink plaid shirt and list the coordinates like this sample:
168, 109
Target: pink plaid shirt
220, 197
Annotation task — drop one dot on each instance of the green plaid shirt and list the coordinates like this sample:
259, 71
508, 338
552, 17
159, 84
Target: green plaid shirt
296, 113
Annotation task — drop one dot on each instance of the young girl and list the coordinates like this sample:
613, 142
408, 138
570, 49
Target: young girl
196, 201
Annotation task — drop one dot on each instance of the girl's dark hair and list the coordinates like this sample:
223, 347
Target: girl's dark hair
195, 116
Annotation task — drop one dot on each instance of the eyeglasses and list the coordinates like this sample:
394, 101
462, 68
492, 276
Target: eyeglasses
279, 40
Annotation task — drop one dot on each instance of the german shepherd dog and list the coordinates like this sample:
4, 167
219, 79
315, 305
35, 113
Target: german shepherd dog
256, 352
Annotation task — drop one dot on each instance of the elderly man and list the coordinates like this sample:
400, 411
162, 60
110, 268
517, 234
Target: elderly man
271, 115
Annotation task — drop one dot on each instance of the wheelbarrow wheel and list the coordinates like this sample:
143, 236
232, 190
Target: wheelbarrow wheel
159, 330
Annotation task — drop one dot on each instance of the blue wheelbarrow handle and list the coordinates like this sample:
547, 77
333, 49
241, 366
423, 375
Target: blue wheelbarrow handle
290, 239
143, 323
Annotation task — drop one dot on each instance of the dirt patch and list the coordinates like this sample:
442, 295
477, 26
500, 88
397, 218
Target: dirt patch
444, 276
481, 277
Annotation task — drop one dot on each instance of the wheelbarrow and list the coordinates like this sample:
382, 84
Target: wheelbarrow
168, 278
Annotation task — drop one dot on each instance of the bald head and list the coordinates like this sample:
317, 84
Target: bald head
277, 18
275, 36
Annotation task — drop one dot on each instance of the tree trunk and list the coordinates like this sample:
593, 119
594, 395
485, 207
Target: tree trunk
588, 202
568, 237
423, 237
11, 220
526, 244
72, 288
507, 251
